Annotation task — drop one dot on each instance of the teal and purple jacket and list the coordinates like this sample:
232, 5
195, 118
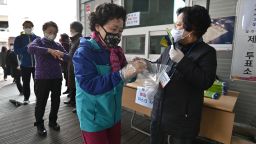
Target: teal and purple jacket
98, 89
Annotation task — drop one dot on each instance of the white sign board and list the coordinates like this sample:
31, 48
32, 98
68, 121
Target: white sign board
142, 99
244, 61
133, 19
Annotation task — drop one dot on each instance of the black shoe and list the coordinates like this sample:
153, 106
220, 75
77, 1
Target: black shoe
54, 126
41, 130
67, 102
66, 92
74, 110
25, 102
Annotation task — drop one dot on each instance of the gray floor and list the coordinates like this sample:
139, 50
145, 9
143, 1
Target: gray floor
16, 123
17, 128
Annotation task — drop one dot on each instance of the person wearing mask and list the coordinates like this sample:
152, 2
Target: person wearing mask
76, 29
27, 65
65, 42
3, 61
101, 70
48, 75
14, 64
177, 110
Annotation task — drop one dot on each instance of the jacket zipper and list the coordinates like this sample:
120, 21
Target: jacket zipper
32, 63
31, 56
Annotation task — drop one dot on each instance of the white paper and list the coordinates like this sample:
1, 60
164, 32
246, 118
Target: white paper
142, 99
133, 19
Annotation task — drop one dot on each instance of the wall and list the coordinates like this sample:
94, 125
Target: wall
245, 108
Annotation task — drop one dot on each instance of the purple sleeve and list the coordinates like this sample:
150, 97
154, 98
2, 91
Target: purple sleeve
36, 48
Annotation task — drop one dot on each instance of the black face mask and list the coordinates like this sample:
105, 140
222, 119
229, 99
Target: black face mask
111, 40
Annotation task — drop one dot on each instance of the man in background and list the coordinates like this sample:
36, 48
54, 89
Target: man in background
76, 29
27, 65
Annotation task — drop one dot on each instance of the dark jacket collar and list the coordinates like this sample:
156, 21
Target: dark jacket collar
74, 38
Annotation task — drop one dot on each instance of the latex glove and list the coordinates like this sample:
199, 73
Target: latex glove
132, 69
140, 65
176, 54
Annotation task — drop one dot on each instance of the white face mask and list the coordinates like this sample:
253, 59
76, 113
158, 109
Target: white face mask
50, 37
28, 30
72, 34
177, 34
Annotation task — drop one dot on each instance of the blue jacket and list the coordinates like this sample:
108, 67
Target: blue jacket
20, 48
99, 90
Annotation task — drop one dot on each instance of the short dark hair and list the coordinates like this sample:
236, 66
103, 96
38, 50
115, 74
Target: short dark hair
195, 18
28, 22
77, 26
50, 24
64, 37
4, 49
106, 12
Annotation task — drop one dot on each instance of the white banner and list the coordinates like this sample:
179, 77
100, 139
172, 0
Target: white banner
244, 61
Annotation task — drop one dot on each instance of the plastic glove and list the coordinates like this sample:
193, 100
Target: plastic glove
140, 65
132, 69
176, 54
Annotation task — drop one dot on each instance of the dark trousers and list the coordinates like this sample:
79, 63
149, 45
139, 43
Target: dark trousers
18, 84
5, 72
72, 84
42, 89
158, 136
26, 73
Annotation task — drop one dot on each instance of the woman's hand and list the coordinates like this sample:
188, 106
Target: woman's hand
56, 53
176, 55
139, 65
132, 69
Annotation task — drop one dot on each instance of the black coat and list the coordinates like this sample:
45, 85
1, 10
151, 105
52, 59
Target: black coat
75, 41
178, 108
12, 62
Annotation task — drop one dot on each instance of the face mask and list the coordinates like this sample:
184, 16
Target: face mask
50, 37
112, 40
177, 34
72, 34
11, 47
27, 30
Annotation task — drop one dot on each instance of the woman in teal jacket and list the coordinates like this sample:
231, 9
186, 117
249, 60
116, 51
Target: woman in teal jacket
101, 71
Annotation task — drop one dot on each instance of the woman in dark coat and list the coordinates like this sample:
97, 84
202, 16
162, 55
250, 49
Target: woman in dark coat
177, 110
12, 61
3, 61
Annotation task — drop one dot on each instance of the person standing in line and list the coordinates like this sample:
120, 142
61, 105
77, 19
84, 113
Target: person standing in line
65, 42
76, 29
14, 64
48, 75
3, 61
27, 65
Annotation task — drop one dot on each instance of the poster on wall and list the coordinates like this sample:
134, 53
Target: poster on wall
221, 31
133, 19
88, 8
244, 61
